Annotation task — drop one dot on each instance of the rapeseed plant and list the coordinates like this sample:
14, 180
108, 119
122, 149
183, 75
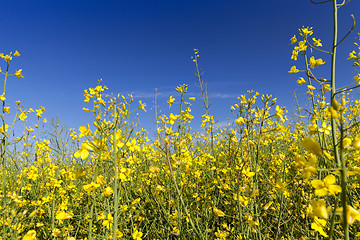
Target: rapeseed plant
260, 177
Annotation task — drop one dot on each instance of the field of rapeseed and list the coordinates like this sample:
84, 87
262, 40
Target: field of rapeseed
261, 177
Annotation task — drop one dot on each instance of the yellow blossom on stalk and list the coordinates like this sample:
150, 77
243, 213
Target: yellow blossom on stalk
2, 97
247, 172
137, 235
352, 55
293, 39
83, 151
357, 78
136, 201
300, 81
30, 235
56, 232
7, 57
325, 129
171, 101
142, 106
107, 192
356, 142
108, 222
318, 209
4, 128
318, 226
63, 215
326, 186
315, 63
100, 180
90, 187
85, 131
18, 73
279, 113
172, 118
312, 129
346, 142
16, 54
302, 46
317, 43
306, 31
294, 55
351, 214
218, 212
133, 146
181, 88
38, 113
311, 145
293, 69
240, 121
311, 87
22, 116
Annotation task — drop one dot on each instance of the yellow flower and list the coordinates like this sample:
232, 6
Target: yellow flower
294, 55
326, 186
351, 214
352, 55
311, 145
171, 101
293, 39
218, 212
2, 97
63, 215
18, 73
315, 63
240, 121
56, 232
137, 235
318, 225
107, 192
83, 151
300, 81
90, 187
325, 129
357, 78
142, 106
30, 235
136, 201
318, 208
4, 128
317, 42
16, 54
108, 222
85, 131
22, 116
132, 146
279, 113
293, 69
306, 31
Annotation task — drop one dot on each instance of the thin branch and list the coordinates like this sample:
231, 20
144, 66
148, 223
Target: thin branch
352, 28
344, 4
320, 2
311, 46
347, 89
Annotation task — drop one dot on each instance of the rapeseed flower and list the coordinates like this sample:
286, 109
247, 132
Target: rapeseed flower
326, 186
30, 235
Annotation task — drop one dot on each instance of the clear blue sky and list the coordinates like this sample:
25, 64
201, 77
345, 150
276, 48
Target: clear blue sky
136, 46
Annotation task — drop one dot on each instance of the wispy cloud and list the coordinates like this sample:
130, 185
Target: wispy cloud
223, 95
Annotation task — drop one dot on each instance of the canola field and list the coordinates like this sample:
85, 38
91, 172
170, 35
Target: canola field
264, 176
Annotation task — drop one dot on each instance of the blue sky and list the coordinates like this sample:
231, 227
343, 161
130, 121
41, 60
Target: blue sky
137, 46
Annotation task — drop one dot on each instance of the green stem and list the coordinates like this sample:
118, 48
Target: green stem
338, 156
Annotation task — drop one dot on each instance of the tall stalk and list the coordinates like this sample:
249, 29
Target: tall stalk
338, 157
